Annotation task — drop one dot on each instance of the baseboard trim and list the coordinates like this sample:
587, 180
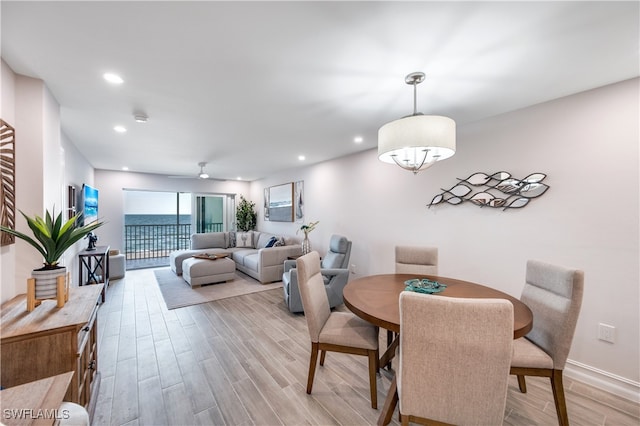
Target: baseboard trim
603, 380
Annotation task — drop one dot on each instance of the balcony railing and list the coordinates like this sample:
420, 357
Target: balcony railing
156, 241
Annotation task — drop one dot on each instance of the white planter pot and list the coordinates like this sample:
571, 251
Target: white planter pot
46, 281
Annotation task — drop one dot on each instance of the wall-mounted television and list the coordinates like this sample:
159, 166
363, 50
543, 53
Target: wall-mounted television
89, 204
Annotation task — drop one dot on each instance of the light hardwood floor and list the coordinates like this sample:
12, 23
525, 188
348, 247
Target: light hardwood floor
244, 360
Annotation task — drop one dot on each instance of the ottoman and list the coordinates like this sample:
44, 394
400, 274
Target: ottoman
204, 271
116, 266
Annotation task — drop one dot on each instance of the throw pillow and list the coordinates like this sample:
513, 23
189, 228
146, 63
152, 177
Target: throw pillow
271, 242
244, 239
263, 239
279, 242
232, 239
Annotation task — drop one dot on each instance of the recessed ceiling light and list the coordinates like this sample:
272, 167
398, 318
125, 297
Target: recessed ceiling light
239, 178
125, 168
358, 139
140, 117
120, 129
113, 78
301, 157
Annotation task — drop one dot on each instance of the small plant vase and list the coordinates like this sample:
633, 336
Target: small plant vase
46, 280
306, 245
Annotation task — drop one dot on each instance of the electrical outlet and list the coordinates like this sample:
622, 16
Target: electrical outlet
606, 333
353, 268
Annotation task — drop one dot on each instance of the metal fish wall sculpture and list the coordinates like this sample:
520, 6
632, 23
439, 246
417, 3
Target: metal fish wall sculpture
498, 190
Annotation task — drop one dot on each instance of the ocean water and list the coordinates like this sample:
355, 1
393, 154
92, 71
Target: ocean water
155, 219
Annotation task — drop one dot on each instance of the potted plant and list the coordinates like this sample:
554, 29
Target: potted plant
307, 228
52, 239
246, 218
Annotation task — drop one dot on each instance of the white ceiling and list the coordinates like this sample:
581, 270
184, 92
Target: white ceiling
249, 86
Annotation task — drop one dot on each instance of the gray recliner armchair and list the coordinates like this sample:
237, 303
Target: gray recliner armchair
334, 270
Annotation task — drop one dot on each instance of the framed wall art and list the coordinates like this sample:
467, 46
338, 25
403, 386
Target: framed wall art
298, 200
280, 202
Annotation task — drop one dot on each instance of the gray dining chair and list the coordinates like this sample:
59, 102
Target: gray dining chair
454, 359
333, 331
554, 295
417, 260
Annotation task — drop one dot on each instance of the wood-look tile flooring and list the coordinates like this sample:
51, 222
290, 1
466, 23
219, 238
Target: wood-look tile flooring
244, 360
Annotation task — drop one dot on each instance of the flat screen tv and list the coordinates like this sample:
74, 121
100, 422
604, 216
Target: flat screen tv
89, 204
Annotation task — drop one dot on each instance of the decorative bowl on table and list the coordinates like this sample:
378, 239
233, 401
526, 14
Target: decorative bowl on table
424, 285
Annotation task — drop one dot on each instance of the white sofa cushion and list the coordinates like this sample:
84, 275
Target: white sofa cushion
263, 239
209, 240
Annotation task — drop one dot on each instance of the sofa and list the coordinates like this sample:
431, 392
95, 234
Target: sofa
260, 255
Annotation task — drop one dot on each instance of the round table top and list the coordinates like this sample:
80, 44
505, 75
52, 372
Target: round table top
375, 299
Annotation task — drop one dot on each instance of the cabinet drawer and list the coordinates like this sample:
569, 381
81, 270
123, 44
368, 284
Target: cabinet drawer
85, 330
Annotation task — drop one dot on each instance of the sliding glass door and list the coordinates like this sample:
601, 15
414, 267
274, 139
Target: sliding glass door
213, 212
155, 224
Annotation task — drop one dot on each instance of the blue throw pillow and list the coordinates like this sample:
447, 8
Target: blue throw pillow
271, 242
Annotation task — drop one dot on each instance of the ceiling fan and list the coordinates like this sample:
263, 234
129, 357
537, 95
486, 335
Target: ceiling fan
201, 175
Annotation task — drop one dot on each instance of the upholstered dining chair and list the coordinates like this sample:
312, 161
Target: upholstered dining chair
416, 260
454, 359
335, 274
333, 331
554, 295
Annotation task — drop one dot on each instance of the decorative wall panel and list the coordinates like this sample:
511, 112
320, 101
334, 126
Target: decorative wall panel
7, 181
498, 190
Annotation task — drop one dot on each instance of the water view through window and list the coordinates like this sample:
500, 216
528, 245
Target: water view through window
155, 224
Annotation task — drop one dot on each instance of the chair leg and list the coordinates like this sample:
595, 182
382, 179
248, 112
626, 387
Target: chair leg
404, 420
389, 341
322, 355
522, 384
373, 379
558, 397
312, 365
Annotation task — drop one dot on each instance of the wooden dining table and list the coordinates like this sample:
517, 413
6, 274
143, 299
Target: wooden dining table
375, 299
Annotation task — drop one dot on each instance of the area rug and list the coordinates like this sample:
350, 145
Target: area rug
177, 293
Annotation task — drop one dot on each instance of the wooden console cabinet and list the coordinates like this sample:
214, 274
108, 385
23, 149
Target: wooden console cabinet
49, 341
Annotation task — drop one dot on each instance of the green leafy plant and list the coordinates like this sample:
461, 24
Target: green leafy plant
52, 237
246, 216
308, 228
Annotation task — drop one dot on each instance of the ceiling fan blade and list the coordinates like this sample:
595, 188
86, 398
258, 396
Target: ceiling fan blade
199, 175
196, 178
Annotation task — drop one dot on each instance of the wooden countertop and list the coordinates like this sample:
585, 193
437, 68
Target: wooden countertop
34, 403
16, 321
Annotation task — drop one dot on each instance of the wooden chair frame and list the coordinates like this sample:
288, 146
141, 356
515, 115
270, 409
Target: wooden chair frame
324, 347
555, 376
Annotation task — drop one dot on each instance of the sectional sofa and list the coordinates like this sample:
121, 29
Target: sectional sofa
260, 255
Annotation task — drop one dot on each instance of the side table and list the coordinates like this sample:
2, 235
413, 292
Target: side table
93, 267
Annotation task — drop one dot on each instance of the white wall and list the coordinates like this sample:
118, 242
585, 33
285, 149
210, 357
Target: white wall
7, 113
587, 144
77, 171
41, 171
111, 184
